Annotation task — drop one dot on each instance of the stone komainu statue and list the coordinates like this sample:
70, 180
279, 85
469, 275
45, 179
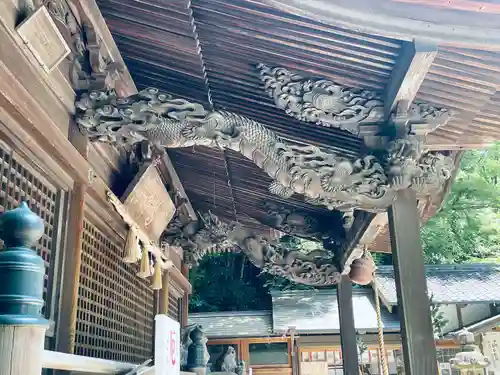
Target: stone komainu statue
227, 362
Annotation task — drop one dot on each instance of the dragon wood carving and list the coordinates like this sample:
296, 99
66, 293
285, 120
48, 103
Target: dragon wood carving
209, 234
324, 178
329, 104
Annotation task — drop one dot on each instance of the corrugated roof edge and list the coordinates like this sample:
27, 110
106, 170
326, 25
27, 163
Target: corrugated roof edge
333, 292
220, 314
447, 268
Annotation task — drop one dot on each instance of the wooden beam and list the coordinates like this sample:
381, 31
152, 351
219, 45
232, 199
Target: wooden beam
347, 328
88, 365
186, 209
407, 77
413, 302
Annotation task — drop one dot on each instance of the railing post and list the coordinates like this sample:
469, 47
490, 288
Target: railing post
22, 272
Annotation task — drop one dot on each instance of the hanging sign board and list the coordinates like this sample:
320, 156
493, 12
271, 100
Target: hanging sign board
43, 39
314, 368
167, 346
148, 202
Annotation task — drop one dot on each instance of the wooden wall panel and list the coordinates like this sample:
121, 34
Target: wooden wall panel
115, 314
174, 307
19, 182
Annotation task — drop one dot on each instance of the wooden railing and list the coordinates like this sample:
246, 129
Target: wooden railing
78, 363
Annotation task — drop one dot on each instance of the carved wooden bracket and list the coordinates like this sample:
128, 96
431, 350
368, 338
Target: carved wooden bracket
329, 104
367, 183
91, 67
210, 234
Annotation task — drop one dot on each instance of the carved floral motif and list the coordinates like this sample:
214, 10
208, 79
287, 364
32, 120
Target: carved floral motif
329, 104
321, 101
324, 178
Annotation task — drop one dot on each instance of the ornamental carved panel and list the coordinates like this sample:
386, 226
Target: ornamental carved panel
148, 202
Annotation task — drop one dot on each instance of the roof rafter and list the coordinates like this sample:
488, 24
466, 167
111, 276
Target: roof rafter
408, 75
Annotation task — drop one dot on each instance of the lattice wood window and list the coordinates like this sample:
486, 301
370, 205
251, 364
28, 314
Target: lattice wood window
20, 183
173, 307
115, 316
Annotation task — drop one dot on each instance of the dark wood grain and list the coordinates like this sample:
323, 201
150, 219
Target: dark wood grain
413, 65
419, 348
347, 327
71, 271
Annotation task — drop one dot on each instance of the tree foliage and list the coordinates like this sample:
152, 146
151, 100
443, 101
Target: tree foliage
466, 228
229, 282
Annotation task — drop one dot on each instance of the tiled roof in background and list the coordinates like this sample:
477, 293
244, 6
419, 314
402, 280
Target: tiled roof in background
465, 283
318, 312
234, 323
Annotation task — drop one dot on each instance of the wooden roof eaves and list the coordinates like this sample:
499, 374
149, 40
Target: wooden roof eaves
211, 105
455, 24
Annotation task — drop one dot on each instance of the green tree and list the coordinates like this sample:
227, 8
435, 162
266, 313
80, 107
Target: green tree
466, 228
227, 282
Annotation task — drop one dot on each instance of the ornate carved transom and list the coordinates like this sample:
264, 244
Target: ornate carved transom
209, 234
369, 182
329, 104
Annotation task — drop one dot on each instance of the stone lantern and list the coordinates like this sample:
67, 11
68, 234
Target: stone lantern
470, 359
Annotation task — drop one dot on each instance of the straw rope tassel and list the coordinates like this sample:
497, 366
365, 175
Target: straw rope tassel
157, 281
381, 345
131, 247
145, 270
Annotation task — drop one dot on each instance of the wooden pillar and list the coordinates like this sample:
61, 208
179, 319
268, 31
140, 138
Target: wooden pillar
185, 299
71, 271
22, 272
347, 328
413, 302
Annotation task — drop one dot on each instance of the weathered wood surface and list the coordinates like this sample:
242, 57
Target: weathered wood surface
419, 348
43, 104
347, 328
41, 36
186, 209
71, 362
148, 202
71, 271
470, 23
21, 349
407, 77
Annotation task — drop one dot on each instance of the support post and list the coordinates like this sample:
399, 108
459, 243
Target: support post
347, 328
419, 348
22, 272
71, 271
185, 300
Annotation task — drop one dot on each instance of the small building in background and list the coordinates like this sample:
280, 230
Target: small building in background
303, 325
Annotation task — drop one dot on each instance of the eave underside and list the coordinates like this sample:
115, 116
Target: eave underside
206, 50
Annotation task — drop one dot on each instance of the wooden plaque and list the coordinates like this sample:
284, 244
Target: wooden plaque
148, 202
314, 368
41, 36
